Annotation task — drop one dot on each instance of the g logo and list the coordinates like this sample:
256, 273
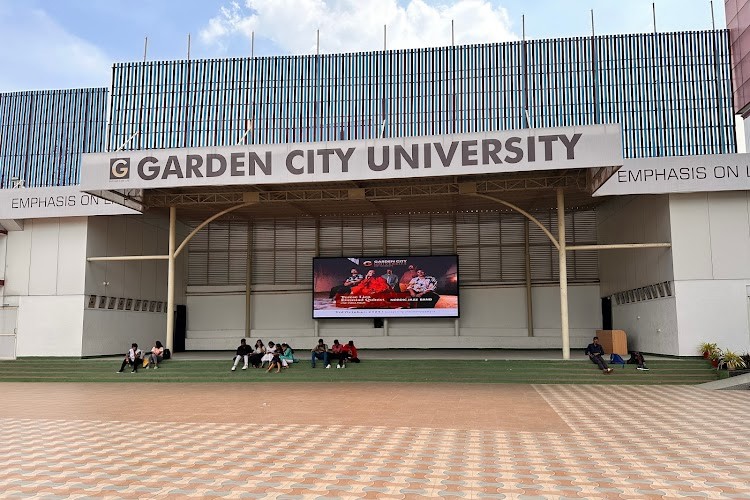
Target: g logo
119, 168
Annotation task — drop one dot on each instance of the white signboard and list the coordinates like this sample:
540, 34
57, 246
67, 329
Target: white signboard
460, 154
680, 174
64, 201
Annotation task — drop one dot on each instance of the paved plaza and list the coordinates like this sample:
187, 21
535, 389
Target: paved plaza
372, 441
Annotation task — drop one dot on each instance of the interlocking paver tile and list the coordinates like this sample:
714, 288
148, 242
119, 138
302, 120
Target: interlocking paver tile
627, 442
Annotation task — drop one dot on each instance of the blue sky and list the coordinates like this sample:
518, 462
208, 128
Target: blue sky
50, 44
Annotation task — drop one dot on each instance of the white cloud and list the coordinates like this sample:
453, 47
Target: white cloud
38, 53
357, 25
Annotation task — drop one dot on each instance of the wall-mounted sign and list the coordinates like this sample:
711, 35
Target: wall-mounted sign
459, 154
680, 174
64, 201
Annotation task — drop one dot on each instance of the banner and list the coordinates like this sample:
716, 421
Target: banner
679, 174
459, 154
63, 201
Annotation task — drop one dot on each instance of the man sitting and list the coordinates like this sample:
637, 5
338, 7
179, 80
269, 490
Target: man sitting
320, 351
595, 352
346, 288
134, 357
243, 353
422, 290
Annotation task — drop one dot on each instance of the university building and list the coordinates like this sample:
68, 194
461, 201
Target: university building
207, 187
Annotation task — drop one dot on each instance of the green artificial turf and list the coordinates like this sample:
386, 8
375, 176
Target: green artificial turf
663, 371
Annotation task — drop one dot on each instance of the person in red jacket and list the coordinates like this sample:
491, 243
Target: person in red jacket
351, 352
370, 285
338, 352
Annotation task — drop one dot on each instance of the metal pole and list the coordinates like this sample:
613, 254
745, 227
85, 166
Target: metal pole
524, 69
252, 44
128, 257
188, 54
619, 246
385, 38
248, 280
316, 325
713, 20
563, 274
145, 49
170, 277
529, 302
317, 50
453, 35
653, 10
595, 70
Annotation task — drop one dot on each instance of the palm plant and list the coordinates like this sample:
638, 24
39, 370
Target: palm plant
731, 360
707, 348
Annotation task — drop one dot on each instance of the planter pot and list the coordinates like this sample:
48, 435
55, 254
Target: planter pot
715, 363
706, 354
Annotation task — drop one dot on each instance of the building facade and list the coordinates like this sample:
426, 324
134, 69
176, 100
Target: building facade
250, 273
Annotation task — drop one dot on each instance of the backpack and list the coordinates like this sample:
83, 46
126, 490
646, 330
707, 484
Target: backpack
616, 359
167, 354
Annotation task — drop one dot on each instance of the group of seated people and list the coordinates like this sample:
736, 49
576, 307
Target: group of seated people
280, 356
277, 356
134, 357
340, 352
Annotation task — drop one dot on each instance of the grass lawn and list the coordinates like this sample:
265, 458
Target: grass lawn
662, 371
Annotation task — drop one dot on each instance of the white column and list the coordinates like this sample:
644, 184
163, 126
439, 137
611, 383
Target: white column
170, 277
563, 274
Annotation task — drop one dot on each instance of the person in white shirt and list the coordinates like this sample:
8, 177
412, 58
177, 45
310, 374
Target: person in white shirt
133, 357
422, 290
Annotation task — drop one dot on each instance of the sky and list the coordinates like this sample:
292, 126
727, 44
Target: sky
54, 44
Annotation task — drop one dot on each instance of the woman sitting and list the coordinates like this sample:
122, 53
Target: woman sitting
157, 354
287, 354
276, 361
270, 353
257, 354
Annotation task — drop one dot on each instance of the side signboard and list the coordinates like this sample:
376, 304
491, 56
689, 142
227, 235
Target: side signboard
679, 174
65, 201
459, 154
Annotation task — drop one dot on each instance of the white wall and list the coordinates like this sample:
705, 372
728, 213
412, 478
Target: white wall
44, 278
491, 317
709, 265
108, 331
50, 325
634, 219
711, 237
651, 325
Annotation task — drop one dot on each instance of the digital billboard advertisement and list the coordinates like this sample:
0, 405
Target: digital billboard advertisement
385, 287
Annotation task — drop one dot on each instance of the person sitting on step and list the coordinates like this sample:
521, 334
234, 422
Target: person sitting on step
133, 358
243, 352
595, 351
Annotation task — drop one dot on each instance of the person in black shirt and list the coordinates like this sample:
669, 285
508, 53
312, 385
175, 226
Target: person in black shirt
346, 288
243, 352
595, 352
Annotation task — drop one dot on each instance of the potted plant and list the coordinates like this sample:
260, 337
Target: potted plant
715, 356
731, 361
707, 348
